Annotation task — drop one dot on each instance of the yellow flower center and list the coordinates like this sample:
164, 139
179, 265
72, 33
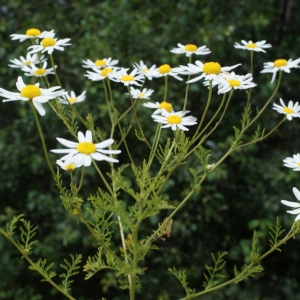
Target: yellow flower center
33, 32
145, 70
70, 167
127, 78
288, 110
30, 91
105, 72
212, 68
100, 63
166, 105
164, 69
72, 100
298, 164
280, 63
86, 148
174, 120
48, 42
27, 63
251, 46
190, 48
40, 72
234, 82
141, 96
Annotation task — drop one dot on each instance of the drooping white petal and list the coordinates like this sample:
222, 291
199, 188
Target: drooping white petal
290, 203
296, 193
99, 156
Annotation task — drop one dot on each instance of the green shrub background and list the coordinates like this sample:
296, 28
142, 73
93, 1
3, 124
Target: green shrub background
242, 195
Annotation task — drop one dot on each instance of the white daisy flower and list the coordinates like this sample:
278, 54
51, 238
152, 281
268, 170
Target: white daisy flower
190, 49
49, 45
291, 111
293, 162
165, 70
72, 99
29, 60
127, 79
295, 205
33, 33
175, 120
100, 63
82, 152
257, 46
138, 94
210, 70
159, 107
100, 74
227, 82
70, 167
32, 93
280, 64
32, 70
143, 69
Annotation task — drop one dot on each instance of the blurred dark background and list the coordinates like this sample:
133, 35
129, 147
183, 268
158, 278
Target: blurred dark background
241, 196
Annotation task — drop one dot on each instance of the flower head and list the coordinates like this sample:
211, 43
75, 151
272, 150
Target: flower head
100, 63
209, 70
72, 99
138, 94
67, 167
295, 205
33, 33
165, 70
82, 152
291, 111
143, 69
280, 64
100, 74
127, 79
190, 49
175, 120
49, 45
25, 62
293, 162
227, 82
257, 46
160, 107
32, 93
32, 70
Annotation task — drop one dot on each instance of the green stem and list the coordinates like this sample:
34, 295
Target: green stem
251, 71
53, 65
154, 145
267, 103
166, 88
206, 108
81, 179
57, 287
153, 236
79, 116
42, 137
187, 88
124, 214
263, 137
213, 129
290, 235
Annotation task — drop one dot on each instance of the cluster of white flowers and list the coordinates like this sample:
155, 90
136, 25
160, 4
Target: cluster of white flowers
82, 152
